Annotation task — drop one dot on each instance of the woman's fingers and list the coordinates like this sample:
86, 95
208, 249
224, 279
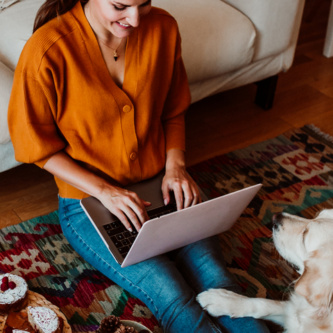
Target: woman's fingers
178, 194
122, 217
128, 208
185, 190
136, 213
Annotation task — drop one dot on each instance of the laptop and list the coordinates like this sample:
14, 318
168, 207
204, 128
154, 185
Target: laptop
167, 229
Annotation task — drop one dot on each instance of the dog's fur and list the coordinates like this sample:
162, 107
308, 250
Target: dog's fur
308, 245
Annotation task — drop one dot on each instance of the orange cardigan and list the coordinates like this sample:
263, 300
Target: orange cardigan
63, 98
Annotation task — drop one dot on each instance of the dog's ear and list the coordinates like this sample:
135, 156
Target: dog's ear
316, 282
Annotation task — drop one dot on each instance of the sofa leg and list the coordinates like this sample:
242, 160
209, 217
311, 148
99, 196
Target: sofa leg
265, 92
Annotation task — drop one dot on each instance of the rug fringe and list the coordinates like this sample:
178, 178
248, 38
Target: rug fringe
316, 130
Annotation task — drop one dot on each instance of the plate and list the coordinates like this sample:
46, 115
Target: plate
138, 326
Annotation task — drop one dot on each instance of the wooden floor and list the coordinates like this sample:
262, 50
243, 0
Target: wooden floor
218, 124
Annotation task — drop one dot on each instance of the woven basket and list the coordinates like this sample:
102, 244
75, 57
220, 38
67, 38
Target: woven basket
34, 299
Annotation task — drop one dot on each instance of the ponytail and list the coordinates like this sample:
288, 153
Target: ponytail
51, 9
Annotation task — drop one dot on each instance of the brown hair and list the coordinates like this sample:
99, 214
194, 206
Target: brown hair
51, 9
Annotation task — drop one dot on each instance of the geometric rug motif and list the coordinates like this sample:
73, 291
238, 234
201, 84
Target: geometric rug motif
296, 170
302, 165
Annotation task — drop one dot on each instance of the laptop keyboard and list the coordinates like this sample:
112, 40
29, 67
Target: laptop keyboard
122, 238
157, 212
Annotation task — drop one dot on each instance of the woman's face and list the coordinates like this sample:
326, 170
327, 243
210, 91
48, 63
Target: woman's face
118, 17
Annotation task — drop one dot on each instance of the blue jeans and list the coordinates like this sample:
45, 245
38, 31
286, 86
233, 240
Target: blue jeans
167, 284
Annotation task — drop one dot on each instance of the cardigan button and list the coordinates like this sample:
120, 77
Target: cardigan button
127, 108
133, 156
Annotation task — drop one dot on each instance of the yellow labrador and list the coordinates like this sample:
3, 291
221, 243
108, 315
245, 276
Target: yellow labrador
308, 245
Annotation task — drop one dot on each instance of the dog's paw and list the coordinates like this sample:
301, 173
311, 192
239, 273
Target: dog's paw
221, 302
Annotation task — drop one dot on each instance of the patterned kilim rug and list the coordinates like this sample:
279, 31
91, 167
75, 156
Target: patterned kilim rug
296, 170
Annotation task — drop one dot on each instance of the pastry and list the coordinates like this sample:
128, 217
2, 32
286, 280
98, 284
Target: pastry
43, 319
13, 292
21, 318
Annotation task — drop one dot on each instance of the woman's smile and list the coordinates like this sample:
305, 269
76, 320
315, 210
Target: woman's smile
124, 25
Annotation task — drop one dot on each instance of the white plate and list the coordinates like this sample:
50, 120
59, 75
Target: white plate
136, 325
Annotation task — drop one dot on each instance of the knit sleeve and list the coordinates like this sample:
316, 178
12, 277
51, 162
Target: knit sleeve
31, 119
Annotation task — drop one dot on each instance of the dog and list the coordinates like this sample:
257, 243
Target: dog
307, 244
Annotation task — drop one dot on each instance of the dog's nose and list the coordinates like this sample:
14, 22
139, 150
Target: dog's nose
277, 220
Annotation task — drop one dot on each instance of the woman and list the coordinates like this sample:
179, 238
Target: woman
99, 97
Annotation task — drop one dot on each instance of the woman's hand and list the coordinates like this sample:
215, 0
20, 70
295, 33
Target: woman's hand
176, 179
126, 206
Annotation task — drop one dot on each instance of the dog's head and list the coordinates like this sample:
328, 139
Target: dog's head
308, 245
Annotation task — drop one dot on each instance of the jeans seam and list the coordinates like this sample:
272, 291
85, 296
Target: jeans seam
214, 326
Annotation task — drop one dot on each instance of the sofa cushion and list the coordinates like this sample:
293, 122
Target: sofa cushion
204, 50
6, 76
16, 22
276, 23
204, 56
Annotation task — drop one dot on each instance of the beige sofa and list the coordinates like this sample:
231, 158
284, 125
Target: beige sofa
225, 44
